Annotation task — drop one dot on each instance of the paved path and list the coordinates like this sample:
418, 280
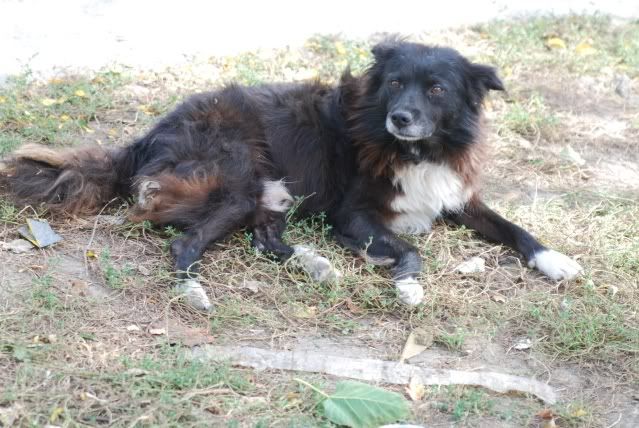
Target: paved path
81, 34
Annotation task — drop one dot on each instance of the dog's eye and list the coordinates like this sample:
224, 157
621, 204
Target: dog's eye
395, 84
436, 90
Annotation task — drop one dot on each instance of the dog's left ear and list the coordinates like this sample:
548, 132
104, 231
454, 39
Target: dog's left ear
482, 79
486, 76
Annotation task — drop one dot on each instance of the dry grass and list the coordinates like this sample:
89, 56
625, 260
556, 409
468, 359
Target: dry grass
97, 370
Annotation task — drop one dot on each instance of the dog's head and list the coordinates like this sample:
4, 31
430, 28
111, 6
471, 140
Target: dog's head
425, 89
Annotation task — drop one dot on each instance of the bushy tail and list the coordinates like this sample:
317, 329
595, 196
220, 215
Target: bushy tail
74, 180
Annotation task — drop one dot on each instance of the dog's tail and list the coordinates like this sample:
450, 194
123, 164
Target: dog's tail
74, 180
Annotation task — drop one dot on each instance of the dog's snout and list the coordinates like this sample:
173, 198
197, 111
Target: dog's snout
402, 118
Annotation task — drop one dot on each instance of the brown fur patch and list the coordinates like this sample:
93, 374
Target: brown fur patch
175, 198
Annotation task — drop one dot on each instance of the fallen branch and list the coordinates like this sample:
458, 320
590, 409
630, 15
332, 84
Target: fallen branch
371, 370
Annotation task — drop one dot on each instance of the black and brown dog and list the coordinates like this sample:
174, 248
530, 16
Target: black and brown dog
384, 153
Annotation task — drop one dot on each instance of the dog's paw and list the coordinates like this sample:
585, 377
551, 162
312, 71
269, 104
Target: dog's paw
194, 294
555, 265
410, 291
316, 266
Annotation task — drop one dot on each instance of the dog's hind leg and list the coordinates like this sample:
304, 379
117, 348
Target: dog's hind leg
268, 227
188, 249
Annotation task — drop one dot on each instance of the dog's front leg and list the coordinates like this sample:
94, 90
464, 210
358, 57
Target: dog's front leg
477, 216
368, 237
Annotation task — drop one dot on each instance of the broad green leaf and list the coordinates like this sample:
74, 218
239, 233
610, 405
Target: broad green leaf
359, 405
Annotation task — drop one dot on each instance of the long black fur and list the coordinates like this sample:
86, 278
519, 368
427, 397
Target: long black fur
212, 155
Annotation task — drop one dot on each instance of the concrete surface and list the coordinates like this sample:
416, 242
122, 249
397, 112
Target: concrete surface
89, 34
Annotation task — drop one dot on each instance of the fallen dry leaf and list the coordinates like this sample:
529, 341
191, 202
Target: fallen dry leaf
353, 307
523, 344
79, 287
579, 412
555, 43
546, 414
473, 265
80, 93
417, 342
585, 48
416, 389
17, 246
132, 327
549, 424
47, 102
253, 286
157, 331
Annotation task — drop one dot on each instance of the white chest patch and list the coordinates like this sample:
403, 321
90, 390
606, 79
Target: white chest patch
428, 190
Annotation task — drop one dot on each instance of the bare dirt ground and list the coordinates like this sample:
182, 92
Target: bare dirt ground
91, 334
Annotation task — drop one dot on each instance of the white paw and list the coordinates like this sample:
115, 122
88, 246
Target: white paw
316, 266
410, 291
194, 294
555, 265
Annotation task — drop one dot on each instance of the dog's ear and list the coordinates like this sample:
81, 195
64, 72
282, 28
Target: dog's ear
386, 48
487, 77
482, 78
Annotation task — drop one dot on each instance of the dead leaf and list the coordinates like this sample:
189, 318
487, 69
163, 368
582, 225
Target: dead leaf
3, 100
17, 246
50, 338
546, 414
80, 93
79, 287
136, 372
47, 102
253, 286
523, 344
353, 307
579, 412
417, 342
473, 265
55, 414
91, 254
498, 298
306, 312
570, 155
585, 48
549, 424
416, 389
555, 43
157, 331
132, 327
339, 47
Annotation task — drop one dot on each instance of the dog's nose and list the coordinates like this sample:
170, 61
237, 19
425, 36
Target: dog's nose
401, 118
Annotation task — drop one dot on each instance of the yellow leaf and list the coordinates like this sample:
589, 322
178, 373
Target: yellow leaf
584, 48
339, 47
48, 102
80, 93
555, 43
88, 130
65, 118
579, 413
3, 100
416, 389
56, 81
57, 412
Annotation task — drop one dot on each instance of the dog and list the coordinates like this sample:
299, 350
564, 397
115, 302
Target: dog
381, 154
